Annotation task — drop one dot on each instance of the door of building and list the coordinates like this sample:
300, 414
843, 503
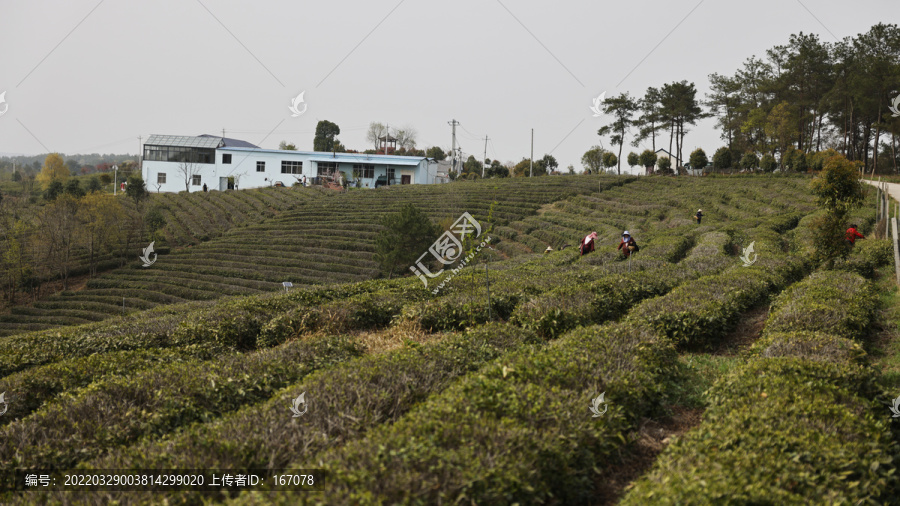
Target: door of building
223, 183
405, 179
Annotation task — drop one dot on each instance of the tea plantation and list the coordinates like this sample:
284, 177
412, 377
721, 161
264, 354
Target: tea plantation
481, 393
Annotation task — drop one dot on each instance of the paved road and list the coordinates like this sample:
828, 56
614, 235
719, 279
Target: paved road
892, 188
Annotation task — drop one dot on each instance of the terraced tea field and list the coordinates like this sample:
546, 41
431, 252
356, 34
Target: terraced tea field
245, 242
470, 395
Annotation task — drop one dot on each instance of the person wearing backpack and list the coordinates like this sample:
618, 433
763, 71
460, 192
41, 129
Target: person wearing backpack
628, 245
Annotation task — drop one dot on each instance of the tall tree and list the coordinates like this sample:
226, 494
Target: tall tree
436, 152
405, 235
723, 102
648, 160
592, 160
98, 217
622, 108
679, 108
698, 159
650, 120
326, 132
54, 169
60, 230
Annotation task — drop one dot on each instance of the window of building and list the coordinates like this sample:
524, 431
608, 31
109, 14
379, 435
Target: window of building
390, 175
326, 168
160, 178
260, 166
226, 157
364, 170
291, 167
178, 154
195, 180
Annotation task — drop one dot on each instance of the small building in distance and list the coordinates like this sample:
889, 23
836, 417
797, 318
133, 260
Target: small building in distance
174, 163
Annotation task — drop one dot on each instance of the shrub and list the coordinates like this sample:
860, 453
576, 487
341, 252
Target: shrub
345, 403
704, 310
838, 303
158, 400
491, 438
813, 346
783, 431
28, 390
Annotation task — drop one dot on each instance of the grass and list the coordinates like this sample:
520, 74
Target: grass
884, 345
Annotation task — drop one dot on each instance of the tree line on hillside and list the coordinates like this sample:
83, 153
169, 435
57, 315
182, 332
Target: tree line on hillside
804, 97
72, 227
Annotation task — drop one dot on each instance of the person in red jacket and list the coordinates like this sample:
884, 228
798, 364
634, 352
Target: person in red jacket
628, 244
587, 244
853, 234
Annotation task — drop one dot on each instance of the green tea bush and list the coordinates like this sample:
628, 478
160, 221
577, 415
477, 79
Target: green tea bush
28, 390
558, 311
517, 431
867, 256
835, 302
783, 431
344, 403
703, 311
120, 410
459, 310
809, 345
795, 424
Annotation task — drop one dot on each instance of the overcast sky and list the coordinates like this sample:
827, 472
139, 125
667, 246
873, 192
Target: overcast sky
84, 76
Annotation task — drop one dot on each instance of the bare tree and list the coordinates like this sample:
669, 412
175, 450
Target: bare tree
188, 169
376, 132
406, 137
61, 231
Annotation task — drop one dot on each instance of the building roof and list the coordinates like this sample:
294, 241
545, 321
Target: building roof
185, 141
232, 143
197, 141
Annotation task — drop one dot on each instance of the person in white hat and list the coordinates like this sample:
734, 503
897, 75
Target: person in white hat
587, 244
699, 216
628, 245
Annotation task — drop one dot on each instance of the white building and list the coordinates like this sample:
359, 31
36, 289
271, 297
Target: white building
173, 163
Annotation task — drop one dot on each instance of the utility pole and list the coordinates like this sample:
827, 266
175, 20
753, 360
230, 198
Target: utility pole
453, 124
531, 169
484, 166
